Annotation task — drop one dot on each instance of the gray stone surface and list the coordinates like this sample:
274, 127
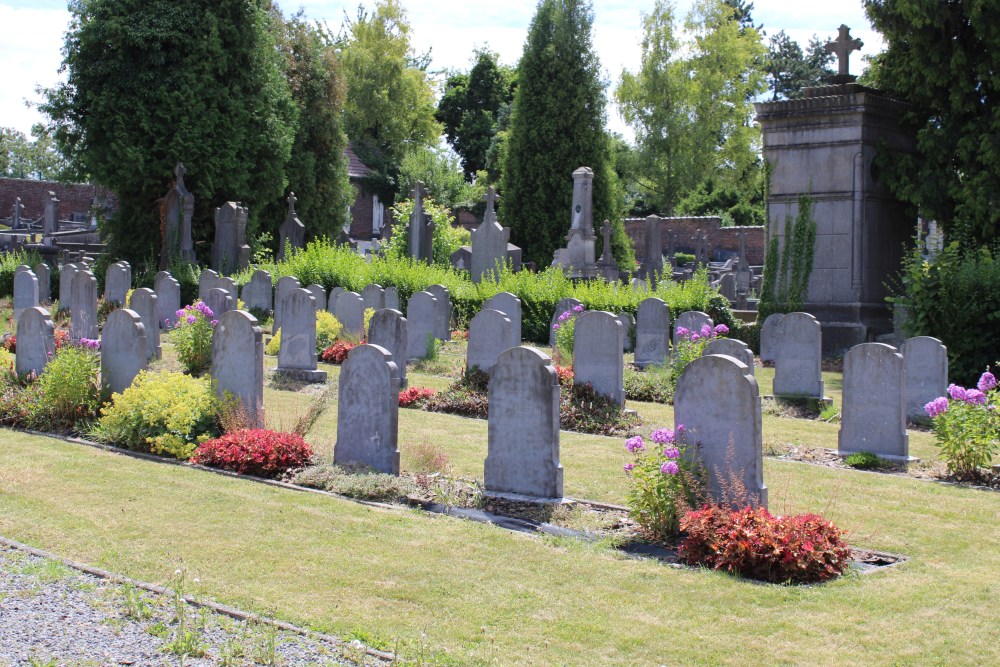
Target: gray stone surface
123, 350
523, 452
238, 362
230, 252
36, 341
652, 265
442, 319
387, 329
718, 402
561, 307
25, 291
83, 304
144, 302
420, 228
284, 285
509, 305
489, 336
292, 232
66, 286
391, 298
873, 416
925, 363
368, 410
374, 297
769, 336
117, 282
219, 302
258, 292
319, 294
489, 244
692, 320
297, 352
798, 357
206, 281
332, 299
652, 332
598, 359
229, 284
44, 275
177, 207
628, 328
351, 313
168, 299
421, 310
727, 286
579, 259
731, 347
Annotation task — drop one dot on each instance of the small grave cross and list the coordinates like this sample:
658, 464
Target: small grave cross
842, 47
291, 203
491, 199
179, 172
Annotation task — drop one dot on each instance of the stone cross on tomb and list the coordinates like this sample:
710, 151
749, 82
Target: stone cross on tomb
606, 234
491, 199
842, 47
179, 172
292, 199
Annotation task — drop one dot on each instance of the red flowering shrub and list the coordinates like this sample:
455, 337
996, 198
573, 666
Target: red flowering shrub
414, 395
752, 542
459, 334
336, 353
10, 343
565, 374
61, 339
255, 451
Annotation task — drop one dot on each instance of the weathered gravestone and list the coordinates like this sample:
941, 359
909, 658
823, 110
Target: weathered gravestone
421, 311
652, 264
25, 291
292, 232
562, 306
509, 305
144, 303
83, 306
725, 429
229, 284
36, 341
442, 320
332, 299
208, 279
523, 453
391, 300
285, 285
66, 286
319, 294
177, 207
727, 286
297, 353
44, 275
925, 368
598, 359
652, 332
219, 302
420, 228
368, 410
628, 328
168, 299
798, 357
873, 416
387, 329
50, 215
692, 320
489, 243
489, 336
769, 336
117, 281
731, 347
257, 293
123, 350
238, 362
351, 313
230, 252
374, 297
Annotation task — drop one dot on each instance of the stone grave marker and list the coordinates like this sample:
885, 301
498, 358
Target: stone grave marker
523, 450
727, 286
168, 299
489, 243
489, 336
391, 298
25, 291
292, 232
44, 275
368, 410
351, 312
117, 281
731, 347
319, 294
230, 252
442, 321
421, 228
873, 416
124, 351
729, 416
374, 297
387, 329
421, 311
219, 302
297, 353
144, 303
509, 305
36, 341
798, 357
83, 306
561, 307
238, 362
925, 367
66, 286
285, 285
652, 332
206, 281
177, 207
257, 293
332, 300
229, 284
693, 321
598, 358
769, 336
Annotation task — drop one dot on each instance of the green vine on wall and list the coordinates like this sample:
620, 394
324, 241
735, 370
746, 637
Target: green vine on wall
787, 270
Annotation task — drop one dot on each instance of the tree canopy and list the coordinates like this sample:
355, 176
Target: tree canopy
36, 158
789, 70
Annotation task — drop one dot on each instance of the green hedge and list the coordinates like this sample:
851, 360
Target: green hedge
9, 261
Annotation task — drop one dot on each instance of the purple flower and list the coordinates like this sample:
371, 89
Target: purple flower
181, 313
662, 436
629, 466
975, 397
937, 406
679, 429
957, 393
565, 316
987, 381
694, 337
706, 331
635, 444
191, 319
578, 309
721, 329
672, 453
681, 331
670, 468
214, 322
555, 327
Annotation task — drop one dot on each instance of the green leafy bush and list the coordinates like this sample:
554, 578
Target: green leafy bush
967, 427
355, 481
9, 261
163, 413
565, 334
863, 460
328, 328
192, 336
654, 384
447, 239
70, 391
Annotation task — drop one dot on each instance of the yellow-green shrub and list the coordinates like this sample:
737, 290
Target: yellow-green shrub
163, 413
273, 345
328, 329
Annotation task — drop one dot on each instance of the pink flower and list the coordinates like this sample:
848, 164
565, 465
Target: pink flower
986, 382
694, 337
635, 444
975, 397
936, 407
706, 331
662, 436
672, 453
214, 322
681, 331
191, 319
721, 329
670, 468
555, 327
578, 309
629, 466
957, 393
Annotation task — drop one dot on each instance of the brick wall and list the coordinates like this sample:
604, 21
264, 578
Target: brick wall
73, 197
724, 239
361, 214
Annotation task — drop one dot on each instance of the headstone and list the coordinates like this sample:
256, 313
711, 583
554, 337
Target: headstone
489, 243
523, 454
83, 306
509, 305
25, 291
652, 265
374, 297
421, 313
652, 333
744, 273
727, 286
285, 285
123, 350
351, 313
168, 299
219, 302
332, 299
177, 207
718, 402
36, 342
731, 347
489, 336
297, 353
387, 329
44, 275
561, 307
798, 357
925, 363
693, 321
873, 416
238, 362
229, 284
50, 216
391, 298
230, 252
206, 281
66, 286
628, 327
368, 410
257, 292
117, 282
769, 336
15, 218
442, 321
292, 232
581, 239
421, 228
598, 359
319, 294
607, 267
144, 303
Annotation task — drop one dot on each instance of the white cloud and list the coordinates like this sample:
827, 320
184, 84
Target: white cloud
30, 56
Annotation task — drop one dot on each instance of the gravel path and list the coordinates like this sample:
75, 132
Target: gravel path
53, 615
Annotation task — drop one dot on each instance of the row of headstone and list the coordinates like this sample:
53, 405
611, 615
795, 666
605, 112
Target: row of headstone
168, 299
796, 343
26, 293
297, 352
117, 283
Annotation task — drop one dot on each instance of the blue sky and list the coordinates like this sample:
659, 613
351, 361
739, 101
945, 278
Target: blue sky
33, 35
